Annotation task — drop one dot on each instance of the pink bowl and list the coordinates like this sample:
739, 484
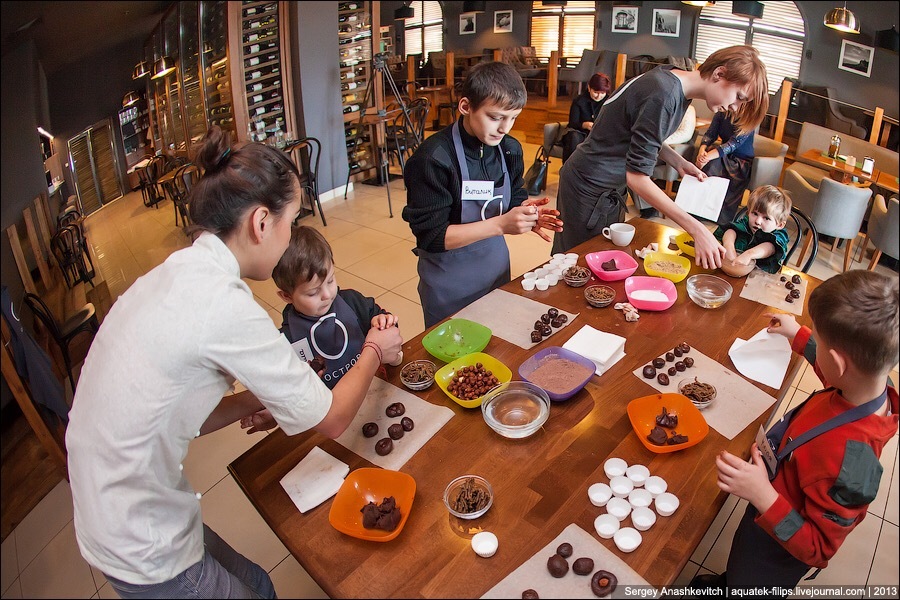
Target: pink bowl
650, 284
625, 264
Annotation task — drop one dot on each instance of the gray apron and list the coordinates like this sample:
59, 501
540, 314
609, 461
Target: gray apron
336, 338
450, 280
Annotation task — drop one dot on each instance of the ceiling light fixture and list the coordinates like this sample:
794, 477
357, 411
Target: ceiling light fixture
162, 67
140, 70
45, 133
129, 99
404, 12
842, 20
751, 10
699, 3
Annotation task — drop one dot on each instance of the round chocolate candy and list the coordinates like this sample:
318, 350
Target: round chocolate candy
688, 362
659, 363
795, 293
603, 583
407, 424
565, 550
680, 366
395, 431
677, 351
671, 371
538, 325
546, 330
583, 566
649, 372
536, 336
557, 566
782, 279
663, 379
796, 280
670, 356
563, 318
789, 299
545, 318
553, 312
530, 594
384, 446
395, 410
556, 323
789, 285
684, 347
370, 429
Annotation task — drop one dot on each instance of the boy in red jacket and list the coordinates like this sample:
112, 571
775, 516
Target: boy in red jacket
823, 469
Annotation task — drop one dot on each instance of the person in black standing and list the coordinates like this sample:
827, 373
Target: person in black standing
583, 112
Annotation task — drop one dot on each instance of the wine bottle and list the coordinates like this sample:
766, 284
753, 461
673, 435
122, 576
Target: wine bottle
351, 108
350, 85
346, 18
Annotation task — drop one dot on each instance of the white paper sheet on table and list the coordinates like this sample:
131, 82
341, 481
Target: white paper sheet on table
702, 198
604, 349
315, 479
763, 358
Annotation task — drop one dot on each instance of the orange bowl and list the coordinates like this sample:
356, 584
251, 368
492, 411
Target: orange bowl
371, 485
643, 412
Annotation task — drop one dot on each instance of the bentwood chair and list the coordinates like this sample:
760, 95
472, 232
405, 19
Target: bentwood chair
799, 227
307, 151
84, 321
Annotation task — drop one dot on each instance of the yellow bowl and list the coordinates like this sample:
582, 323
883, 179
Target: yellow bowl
682, 239
676, 259
445, 374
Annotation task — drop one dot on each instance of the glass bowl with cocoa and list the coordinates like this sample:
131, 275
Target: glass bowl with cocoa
468, 496
599, 296
418, 375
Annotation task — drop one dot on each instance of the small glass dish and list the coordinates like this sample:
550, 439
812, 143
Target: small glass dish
418, 375
576, 276
475, 484
708, 291
599, 296
516, 409
700, 394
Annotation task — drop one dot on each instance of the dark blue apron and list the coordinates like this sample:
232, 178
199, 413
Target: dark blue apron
451, 280
336, 338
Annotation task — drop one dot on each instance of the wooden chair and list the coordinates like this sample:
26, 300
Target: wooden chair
84, 321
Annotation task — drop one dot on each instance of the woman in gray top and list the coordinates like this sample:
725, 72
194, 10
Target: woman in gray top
622, 149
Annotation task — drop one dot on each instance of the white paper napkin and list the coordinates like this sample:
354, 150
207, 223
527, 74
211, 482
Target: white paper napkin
702, 198
763, 358
604, 349
315, 479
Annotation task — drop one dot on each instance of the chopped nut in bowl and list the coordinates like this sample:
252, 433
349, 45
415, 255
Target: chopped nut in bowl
468, 497
599, 296
576, 276
418, 375
699, 393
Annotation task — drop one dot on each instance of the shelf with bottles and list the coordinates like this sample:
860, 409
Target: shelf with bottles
253, 10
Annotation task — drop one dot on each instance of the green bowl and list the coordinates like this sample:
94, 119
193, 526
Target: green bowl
456, 338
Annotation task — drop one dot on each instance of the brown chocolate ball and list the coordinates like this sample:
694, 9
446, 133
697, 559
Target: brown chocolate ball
670, 356
680, 366
795, 293
407, 424
796, 279
789, 285
671, 371
370, 429
538, 325
688, 362
583, 566
553, 312
384, 446
557, 566
663, 379
545, 318
565, 550
546, 330
789, 299
530, 594
395, 431
395, 410
684, 347
677, 352
536, 336
659, 363
649, 372
603, 583
782, 278
563, 318
556, 323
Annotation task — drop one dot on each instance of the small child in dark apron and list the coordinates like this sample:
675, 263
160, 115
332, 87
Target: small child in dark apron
811, 477
325, 325
465, 190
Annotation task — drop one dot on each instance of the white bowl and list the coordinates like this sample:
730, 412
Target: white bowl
529, 275
528, 284
606, 526
552, 278
619, 508
638, 474
627, 539
640, 498
541, 283
643, 518
621, 486
613, 467
485, 544
599, 494
656, 485
666, 504
538, 273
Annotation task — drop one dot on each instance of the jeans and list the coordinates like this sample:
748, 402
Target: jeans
221, 573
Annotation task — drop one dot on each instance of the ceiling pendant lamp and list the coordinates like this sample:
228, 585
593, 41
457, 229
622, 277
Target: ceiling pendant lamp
140, 70
699, 2
751, 10
162, 67
404, 12
129, 99
842, 20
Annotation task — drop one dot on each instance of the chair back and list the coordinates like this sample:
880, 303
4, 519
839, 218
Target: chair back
884, 226
840, 209
768, 162
308, 150
585, 68
42, 313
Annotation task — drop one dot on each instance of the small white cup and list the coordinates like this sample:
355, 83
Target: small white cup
541, 283
619, 508
643, 518
538, 273
656, 485
599, 494
569, 262
485, 544
613, 467
666, 504
638, 474
621, 486
529, 275
606, 526
621, 234
640, 498
559, 256
572, 255
627, 539
528, 284
552, 278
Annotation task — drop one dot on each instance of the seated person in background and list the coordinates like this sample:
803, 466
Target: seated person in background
583, 112
732, 159
759, 236
321, 321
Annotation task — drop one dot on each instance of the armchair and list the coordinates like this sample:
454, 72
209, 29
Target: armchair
836, 119
583, 71
883, 230
768, 162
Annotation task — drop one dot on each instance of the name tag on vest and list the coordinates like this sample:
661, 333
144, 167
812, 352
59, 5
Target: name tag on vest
303, 350
477, 190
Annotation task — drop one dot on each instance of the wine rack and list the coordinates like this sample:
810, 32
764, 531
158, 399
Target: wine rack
355, 58
214, 63
263, 69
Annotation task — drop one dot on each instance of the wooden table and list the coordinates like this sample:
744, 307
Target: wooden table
434, 93
840, 170
540, 483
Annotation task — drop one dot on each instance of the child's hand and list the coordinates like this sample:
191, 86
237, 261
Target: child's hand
741, 259
384, 320
730, 253
783, 324
747, 480
259, 421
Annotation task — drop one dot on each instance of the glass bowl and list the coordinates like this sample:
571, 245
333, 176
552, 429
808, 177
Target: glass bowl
701, 400
476, 484
576, 276
421, 369
708, 291
593, 294
516, 409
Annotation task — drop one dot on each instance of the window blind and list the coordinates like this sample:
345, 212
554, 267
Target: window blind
567, 29
424, 32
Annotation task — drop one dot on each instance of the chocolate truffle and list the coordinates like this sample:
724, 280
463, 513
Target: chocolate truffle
680, 366
684, 347
395, 431
537, 325
789, 298
670, 356
649, 372
583, 566
782, 278
530, 594
796, 280
795, 293
688, 362
563, 318
556, 323
395, 410
536, 336
553, 312
545, 319
407, 424
658, 436
663, 379
370, 429
565, 550
789, 285
659, 363
671, 371
384, 446
557, 566
603, 583
546, 330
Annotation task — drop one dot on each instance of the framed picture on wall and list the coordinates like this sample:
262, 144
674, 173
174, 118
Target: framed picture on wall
856, 58
666, 22
625, 19
503, 21
467, 23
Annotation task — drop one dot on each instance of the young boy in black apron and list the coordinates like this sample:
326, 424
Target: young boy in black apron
465, 190
326, 326
812, 476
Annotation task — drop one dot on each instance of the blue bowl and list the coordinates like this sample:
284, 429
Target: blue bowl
555, 353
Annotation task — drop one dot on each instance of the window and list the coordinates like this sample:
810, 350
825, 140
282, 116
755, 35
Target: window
424, 32
778, 36
567, 29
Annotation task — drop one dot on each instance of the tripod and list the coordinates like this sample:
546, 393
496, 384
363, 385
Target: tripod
380, 118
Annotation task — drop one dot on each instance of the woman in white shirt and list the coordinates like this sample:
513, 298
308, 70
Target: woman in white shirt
155, 377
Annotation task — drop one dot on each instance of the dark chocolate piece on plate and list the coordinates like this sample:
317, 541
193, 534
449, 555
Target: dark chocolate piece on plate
557, 565
536, 336
609, 265
395, 431
677, 438
649, 372
659, 363
658, 436
370, 429
530, 594
583, 566
407, 424
796, 279
553, 312
663, 379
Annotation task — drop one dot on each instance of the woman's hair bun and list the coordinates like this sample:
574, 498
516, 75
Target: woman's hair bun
214, 150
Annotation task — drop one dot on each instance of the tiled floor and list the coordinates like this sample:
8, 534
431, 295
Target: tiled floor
40, 559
